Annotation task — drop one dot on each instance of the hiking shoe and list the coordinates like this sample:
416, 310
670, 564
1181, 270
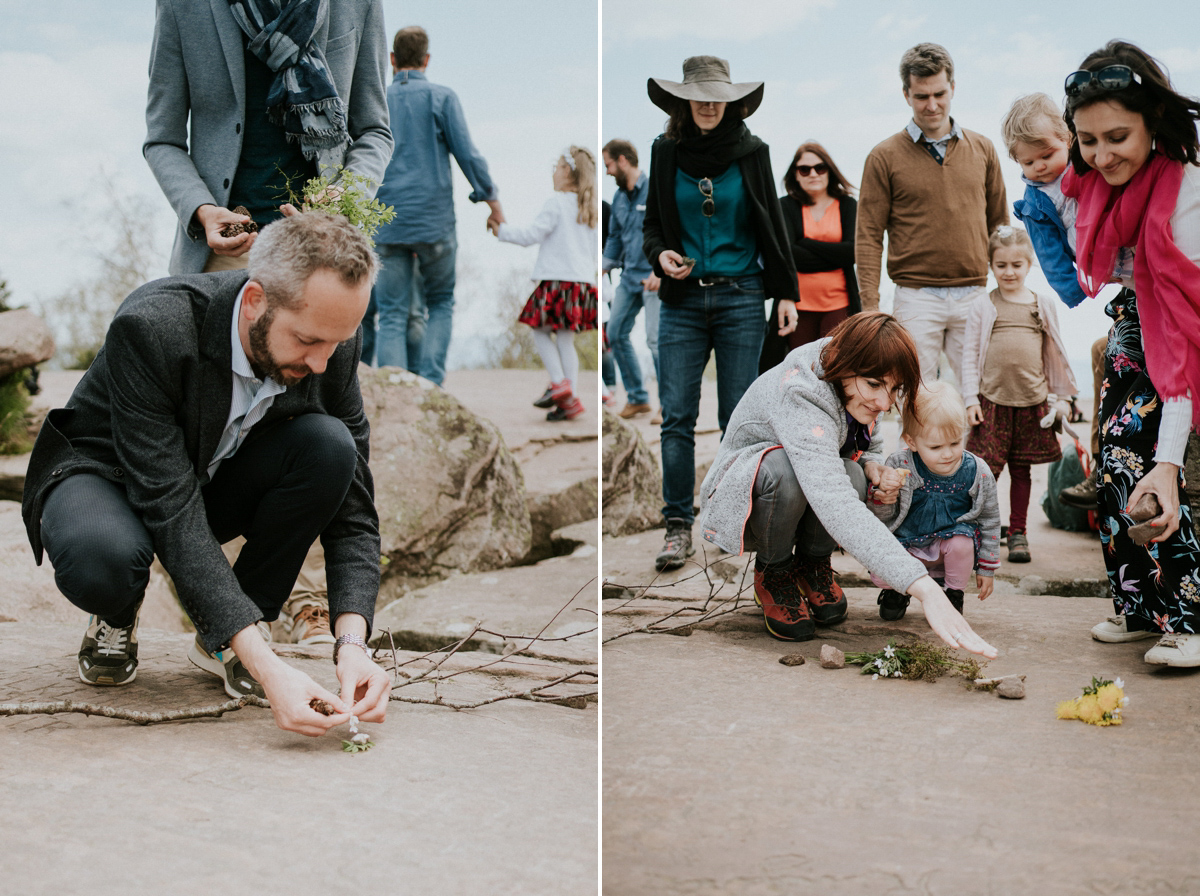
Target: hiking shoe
956, 599
634, 410
814, 576
1081, 495
226, 666
1175, 650
547, 399
786, 613
677, 545
1018, 548
1114, 630
108, 654
310, 625
892, 604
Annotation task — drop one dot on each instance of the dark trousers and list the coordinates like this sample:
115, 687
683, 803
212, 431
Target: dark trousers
280, 490
780, 517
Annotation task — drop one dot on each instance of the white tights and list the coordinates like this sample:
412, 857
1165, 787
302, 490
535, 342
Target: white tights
557, 348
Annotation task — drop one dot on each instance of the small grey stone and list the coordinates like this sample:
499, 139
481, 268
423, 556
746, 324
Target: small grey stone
1012, 687
1032, 585
832, 658
792, 659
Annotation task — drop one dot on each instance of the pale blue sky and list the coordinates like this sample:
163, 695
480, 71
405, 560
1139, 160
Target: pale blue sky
73, 105
831, 70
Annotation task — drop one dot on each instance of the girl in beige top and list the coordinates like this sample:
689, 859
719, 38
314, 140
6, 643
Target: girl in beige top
1013, 362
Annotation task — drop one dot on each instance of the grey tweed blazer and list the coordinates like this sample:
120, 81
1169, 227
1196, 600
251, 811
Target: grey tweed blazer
148, 414
198, 71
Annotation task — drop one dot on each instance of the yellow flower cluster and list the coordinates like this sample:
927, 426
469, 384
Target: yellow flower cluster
1101, 704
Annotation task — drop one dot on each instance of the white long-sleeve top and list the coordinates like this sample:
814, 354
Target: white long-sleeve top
567, 248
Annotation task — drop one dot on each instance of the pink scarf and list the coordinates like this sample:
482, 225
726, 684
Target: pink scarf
1167, 282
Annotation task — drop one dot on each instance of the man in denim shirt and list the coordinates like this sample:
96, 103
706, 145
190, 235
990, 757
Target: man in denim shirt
639, 285
428, 126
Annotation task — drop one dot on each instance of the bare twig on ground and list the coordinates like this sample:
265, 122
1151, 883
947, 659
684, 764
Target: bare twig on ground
576, 701
130, 715
710, 608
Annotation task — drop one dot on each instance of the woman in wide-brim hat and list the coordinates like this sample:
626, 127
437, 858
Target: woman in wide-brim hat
715, 235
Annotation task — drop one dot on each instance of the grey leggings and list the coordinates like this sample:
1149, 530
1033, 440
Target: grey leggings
780, 517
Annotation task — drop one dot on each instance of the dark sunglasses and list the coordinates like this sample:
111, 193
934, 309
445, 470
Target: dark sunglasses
806, 170
1111, 77
709, 208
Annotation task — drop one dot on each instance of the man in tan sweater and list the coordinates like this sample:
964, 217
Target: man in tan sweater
937, 190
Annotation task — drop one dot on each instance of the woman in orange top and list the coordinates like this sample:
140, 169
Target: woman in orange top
820, 214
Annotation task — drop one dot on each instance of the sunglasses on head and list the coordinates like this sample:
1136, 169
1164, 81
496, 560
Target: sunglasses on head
1111, 77
806, 170
709, 208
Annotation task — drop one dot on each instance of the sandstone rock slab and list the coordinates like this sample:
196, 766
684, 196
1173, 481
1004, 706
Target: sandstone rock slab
25, 340
632, 480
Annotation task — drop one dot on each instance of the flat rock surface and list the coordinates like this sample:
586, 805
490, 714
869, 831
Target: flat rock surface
499, 799
727, 772
557, 595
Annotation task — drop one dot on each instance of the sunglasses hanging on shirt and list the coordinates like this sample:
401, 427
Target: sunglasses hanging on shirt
709, 208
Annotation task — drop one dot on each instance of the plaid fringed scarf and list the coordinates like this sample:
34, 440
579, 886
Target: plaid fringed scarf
302, 98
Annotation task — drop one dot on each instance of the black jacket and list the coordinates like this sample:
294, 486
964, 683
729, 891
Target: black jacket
148, 415
662, 229
811, 256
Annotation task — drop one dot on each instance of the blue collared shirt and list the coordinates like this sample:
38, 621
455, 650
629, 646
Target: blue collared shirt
939, 146
252, 397
428, 126
624, 247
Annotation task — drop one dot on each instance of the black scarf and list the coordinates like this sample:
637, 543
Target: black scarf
708, 155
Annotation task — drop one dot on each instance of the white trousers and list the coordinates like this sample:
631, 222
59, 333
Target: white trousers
936, 325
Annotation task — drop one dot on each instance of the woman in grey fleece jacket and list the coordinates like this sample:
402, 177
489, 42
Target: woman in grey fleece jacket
793, 469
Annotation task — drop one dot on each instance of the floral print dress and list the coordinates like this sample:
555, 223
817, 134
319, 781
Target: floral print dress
1156, 586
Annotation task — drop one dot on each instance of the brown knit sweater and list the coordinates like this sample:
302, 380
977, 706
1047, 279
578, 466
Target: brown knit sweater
937, 217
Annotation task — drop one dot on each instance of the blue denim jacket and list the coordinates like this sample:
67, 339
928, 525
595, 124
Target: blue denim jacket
624, 246
1049, 237
428, 126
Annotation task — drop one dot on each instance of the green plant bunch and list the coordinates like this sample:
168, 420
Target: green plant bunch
916, 661
340, 191
14, 402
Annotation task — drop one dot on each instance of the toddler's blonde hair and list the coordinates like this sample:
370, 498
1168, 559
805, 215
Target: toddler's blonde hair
1031, 119
1007, 235
939, 408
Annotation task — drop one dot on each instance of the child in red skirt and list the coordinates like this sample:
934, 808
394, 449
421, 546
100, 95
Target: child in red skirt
1014, 365
564, 301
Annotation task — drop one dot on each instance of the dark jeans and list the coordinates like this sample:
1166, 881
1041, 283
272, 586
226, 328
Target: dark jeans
780, 517
280, 491
728, 320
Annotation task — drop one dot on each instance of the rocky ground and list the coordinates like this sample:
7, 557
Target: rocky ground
725, 771
498, 799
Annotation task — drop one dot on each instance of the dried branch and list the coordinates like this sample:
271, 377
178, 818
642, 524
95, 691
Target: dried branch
534, 693
130, 715
723, 607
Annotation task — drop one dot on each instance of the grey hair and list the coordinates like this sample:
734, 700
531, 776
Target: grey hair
925, 61
289, 251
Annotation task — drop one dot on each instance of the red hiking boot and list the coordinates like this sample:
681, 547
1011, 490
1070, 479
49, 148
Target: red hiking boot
785, 611
814, 576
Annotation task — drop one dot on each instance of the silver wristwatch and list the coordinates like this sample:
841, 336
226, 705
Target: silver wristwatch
347, 639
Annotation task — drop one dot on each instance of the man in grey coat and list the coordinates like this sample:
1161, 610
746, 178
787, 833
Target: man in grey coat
269, 95
224, 405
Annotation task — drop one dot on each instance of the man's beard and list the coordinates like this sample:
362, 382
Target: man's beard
263, 362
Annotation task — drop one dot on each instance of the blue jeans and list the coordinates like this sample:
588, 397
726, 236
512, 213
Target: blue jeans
416, 328
404, 267
625, 307
730, 320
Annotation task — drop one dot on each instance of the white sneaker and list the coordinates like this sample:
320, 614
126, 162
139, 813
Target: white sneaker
1113, 631
1175, 650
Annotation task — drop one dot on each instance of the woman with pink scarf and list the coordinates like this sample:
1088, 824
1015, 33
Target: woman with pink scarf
1136, 179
